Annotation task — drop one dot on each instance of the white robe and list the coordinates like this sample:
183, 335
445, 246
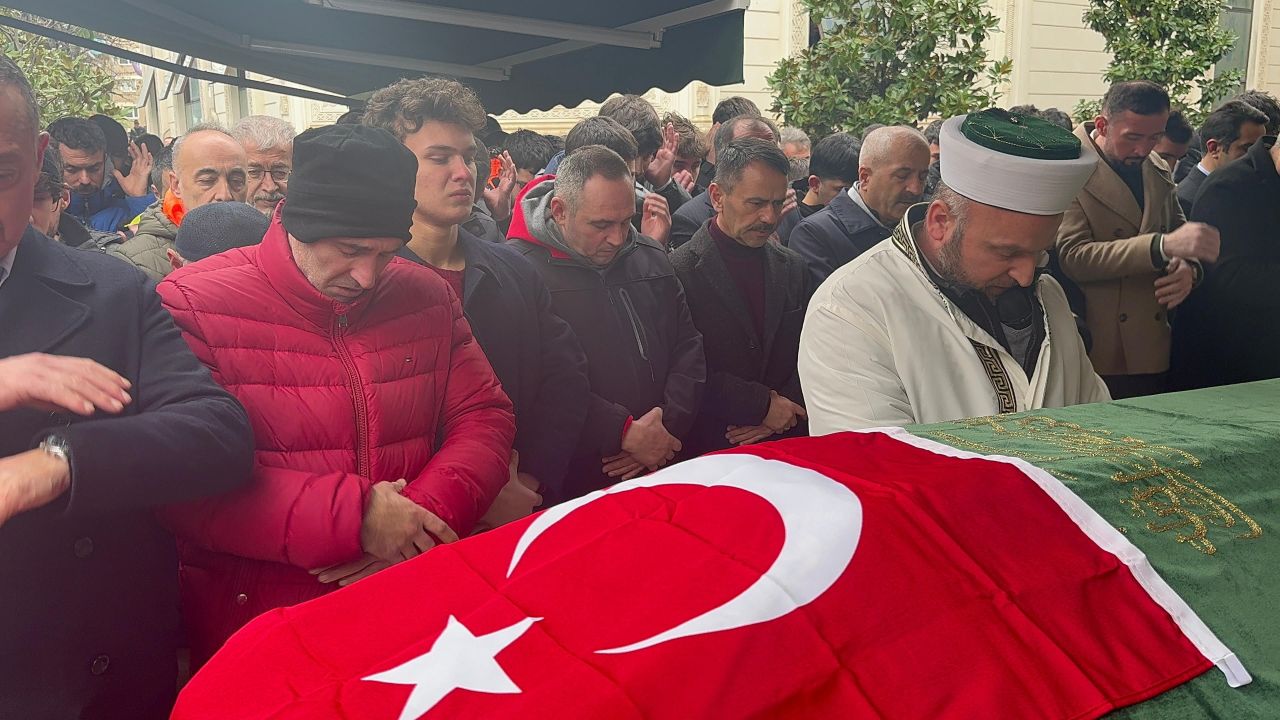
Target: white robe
882, 345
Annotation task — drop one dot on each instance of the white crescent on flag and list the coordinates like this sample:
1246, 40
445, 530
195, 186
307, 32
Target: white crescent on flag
821, 517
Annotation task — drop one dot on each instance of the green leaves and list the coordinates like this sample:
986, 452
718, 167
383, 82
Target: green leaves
890, 61
1171, 42
65, 79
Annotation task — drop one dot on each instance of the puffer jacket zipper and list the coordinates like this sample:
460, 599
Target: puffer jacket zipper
637, 329
356, 387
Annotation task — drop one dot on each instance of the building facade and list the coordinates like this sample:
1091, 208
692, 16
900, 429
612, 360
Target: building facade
1057, 61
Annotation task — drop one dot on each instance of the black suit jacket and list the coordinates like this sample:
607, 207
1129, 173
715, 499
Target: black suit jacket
1228, 329
835, 235
534, 353
1188, 188
88, 584
742, 367
694, 214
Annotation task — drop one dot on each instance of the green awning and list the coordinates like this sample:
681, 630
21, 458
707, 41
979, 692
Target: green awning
516, 55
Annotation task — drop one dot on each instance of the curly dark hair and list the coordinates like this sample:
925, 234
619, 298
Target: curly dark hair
637, 115
78, 134
49, 182
404, 107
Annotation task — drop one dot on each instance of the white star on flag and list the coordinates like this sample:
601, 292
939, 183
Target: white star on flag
457, 660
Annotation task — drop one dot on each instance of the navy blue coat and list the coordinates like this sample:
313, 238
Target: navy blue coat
89, 583
835, 235
534, 353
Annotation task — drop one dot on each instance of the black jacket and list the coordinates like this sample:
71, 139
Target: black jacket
534, 353
1188, 188
835, 235
741, 367
642, 348
1228, 330
694, 214
89, 583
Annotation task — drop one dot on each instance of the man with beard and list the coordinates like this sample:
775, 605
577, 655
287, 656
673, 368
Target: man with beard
268, 147
952, 317
1126, 243
103, 197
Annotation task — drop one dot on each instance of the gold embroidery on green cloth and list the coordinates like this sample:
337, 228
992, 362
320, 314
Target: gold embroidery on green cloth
1161, 492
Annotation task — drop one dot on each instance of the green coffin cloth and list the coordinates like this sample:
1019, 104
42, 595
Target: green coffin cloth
1192, 479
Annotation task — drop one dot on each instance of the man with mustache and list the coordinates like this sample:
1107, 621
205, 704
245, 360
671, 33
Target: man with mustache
747, 297
893, 168
268, 147
953, 316
1127, 244
103, 197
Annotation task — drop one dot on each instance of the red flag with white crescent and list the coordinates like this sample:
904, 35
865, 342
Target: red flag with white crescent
874, 575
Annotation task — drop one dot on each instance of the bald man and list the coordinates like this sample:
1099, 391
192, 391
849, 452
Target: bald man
208, 166
893, 167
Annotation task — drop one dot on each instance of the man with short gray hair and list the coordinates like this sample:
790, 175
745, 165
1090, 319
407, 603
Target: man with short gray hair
618, 291
268, 147
697, 212
893, 168
208, 166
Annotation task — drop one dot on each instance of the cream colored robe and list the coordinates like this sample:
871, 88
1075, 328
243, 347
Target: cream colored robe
882, 345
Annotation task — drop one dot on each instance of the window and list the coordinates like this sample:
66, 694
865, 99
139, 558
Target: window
195, 113
1237, 17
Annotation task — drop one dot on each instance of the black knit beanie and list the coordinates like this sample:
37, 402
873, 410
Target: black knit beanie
219, 226
350, 181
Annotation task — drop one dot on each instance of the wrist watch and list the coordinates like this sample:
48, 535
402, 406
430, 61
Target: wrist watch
56, 446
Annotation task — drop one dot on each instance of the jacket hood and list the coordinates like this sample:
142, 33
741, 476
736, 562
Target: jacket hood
154, 221
531, 222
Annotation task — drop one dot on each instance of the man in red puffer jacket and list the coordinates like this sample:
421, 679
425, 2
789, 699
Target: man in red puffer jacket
380, 427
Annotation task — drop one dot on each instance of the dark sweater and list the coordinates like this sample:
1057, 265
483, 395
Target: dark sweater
746, 267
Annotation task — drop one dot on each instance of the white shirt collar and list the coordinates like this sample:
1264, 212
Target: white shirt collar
1200, 166
857, 198
6, 264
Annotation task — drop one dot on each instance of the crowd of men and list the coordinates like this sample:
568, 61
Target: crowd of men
393, 332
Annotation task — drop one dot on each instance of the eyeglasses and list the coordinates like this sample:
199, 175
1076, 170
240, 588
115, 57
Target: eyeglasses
280, 176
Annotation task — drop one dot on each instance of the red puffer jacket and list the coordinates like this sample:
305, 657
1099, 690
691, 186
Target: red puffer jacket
340, 397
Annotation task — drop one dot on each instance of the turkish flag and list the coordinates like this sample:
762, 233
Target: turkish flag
874, 575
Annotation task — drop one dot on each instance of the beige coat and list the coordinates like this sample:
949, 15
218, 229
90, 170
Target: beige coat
147, 248
882, 345
1104, 245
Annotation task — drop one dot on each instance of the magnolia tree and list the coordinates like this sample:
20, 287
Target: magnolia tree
889, 61
1174, 43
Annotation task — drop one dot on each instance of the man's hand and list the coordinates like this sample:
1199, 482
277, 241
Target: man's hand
791, 204
346, 573
517, 499
659, 171
622, 466
30, 480
648, 442
747, 434
783, 414
502, 198
684, 179
1176, 285
655, 221
396, 528
1195, 241
53, 383
138, 182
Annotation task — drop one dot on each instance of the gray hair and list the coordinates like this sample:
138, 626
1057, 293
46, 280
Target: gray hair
883, 144
263, 132
200, 127
792, 136
957, 205
585, 163
738, 155
725, 134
